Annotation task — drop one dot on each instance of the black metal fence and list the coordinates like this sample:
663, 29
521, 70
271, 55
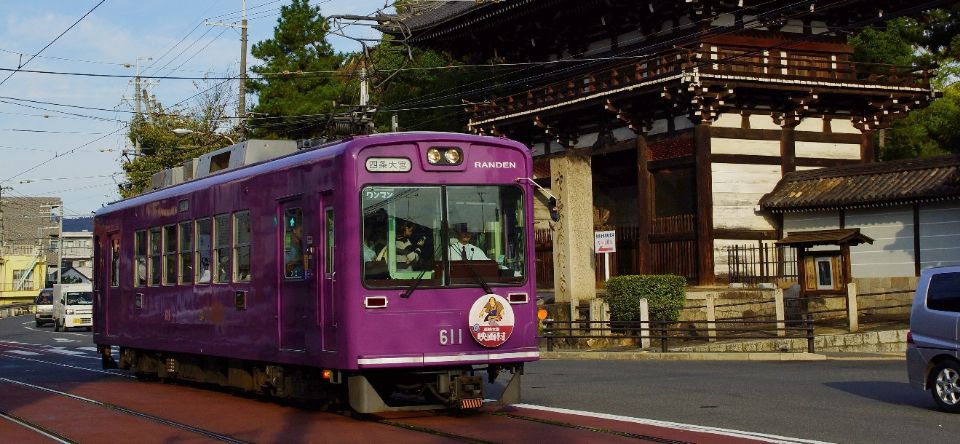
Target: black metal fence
663, 333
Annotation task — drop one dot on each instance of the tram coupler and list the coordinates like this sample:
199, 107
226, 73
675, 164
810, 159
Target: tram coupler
106, 357
467, 392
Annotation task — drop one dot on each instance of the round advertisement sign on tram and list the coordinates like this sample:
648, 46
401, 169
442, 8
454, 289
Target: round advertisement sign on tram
491, 320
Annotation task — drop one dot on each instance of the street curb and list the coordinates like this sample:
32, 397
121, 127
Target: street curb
683, 356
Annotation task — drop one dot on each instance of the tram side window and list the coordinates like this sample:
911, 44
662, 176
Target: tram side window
186, 252
204, 241
293, 243
115, 263
170, 255
156, 247
241, 240
221, 247
140, 258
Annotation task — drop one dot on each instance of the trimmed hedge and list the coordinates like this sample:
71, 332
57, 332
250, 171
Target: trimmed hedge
665, 295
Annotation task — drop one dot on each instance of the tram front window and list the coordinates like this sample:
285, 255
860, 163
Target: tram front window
486, 234
401, 236
403, 243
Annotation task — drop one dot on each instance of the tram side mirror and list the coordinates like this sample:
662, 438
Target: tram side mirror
554, 211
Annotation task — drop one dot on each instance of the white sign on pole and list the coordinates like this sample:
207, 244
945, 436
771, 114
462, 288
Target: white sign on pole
604, 241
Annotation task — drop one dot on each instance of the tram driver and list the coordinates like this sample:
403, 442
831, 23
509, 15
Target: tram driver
461, 247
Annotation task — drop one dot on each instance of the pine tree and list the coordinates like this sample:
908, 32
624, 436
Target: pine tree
296, 105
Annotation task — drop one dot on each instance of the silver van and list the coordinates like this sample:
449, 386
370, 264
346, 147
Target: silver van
933, 360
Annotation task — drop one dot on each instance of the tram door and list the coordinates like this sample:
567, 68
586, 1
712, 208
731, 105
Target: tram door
112, 289
328, 319
297, 272
106, 278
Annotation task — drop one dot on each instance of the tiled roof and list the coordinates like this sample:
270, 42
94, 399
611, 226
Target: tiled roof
426, 14
894, 182
849, 236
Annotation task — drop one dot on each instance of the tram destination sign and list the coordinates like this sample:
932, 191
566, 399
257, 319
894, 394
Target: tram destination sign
388, 165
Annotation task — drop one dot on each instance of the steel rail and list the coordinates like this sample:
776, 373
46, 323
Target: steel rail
124, 410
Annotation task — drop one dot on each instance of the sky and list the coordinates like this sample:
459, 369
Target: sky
77, 156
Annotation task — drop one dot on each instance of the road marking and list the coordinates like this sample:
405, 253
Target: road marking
64, 340
22, 352
113, 373
675, 425
50, 349
64, 351
92, 349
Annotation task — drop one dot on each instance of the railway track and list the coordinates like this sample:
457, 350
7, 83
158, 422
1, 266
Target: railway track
112, 405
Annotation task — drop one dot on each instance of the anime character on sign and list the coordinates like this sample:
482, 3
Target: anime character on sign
491, 320
492, 312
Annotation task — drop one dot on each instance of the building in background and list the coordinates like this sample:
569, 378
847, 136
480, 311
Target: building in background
30, 233
77, 257
22, 272
668, 121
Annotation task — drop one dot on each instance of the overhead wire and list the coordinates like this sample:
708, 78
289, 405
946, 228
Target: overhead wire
53, 41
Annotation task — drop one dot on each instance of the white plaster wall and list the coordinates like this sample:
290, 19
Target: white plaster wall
727, 120
629, 38
598, 47
737, 190
810, 221
843, 126
587, 140
891, 254
825, 220
821, 150
812, 124
722, 145
939, 234
762, 121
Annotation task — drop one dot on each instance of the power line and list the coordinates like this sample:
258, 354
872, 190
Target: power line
52, 41
25, 130
59, 155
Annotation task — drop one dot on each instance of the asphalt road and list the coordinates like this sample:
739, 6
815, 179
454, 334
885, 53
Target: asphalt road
836, 401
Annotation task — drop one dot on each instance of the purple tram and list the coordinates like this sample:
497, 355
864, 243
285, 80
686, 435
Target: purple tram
392, 271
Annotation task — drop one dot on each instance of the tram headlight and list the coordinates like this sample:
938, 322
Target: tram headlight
433, 156
452, 156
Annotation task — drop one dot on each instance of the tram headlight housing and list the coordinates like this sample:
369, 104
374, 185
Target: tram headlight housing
452, 156
434, 156
444, 156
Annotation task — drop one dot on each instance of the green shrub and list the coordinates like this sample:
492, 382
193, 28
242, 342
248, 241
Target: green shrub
665, 295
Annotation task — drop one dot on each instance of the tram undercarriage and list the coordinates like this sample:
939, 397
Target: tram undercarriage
365, 392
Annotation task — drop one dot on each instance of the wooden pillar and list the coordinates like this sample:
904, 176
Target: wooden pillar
916, 239
644, 204
574, 278
847, 269
868, 152
704, 173
788, 148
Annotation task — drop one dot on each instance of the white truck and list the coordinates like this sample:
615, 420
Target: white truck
72, 306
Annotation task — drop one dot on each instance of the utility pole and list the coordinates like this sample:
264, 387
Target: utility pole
137, 94
242, 106
60, 247
3, 232
243, 67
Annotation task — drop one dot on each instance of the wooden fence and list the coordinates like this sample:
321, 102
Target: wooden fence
755, 264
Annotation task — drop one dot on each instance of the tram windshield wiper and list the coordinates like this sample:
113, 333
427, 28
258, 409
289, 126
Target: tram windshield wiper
416, 283
473, 272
